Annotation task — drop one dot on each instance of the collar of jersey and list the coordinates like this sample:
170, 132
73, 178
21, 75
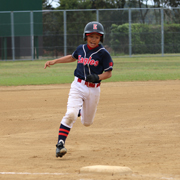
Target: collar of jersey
90, 48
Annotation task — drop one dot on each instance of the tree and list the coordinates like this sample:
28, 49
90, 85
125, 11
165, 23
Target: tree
73, 4
47, 4
76, 20
173, 3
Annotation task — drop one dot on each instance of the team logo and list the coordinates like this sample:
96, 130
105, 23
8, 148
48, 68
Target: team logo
89, 61
94, 26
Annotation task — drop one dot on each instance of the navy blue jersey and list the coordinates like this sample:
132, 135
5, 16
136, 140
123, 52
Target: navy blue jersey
94, 61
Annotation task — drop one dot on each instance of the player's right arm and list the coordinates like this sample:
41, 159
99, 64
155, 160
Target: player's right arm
64, 59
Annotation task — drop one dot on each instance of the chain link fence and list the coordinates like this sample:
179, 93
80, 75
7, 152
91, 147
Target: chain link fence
49, 34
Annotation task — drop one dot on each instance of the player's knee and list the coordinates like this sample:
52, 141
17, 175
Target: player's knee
70, 117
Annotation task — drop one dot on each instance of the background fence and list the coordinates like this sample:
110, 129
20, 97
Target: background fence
50, 34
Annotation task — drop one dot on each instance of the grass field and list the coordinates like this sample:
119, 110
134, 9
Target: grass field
14, 73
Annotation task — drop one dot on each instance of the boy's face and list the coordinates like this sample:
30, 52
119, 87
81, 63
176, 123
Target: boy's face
93, 40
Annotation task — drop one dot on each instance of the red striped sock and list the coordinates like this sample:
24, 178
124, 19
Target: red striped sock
63, 133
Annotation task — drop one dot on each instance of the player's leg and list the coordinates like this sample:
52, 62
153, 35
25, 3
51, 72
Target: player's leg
63, 133
74, 103
90, 106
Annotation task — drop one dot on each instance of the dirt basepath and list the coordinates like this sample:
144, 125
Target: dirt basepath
137, 125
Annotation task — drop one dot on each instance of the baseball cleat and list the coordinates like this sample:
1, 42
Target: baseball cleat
60, 149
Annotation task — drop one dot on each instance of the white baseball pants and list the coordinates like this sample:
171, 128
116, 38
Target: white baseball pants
81, 95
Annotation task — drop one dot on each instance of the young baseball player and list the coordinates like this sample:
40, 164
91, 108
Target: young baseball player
94, 64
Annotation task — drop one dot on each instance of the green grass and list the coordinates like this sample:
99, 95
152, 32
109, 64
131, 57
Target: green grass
14, 73
144, 69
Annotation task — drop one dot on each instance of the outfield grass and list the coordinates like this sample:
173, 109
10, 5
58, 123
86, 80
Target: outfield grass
14, 73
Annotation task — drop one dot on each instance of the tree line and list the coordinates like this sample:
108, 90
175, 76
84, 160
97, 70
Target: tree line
103, 4
53, 27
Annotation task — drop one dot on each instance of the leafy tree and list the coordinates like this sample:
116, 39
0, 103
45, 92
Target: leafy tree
73, 4
101, 4
76, 20
173, 3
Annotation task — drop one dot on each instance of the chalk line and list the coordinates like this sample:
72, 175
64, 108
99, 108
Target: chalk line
29, 173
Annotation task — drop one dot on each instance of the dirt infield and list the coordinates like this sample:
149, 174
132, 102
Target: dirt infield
137, 125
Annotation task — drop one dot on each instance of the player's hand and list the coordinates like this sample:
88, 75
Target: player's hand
47, 64
92, 78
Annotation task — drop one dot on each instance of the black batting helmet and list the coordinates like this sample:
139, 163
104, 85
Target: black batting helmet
96, 27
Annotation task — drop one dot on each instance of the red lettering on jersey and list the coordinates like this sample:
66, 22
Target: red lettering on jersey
79, 56
81, 60
96, 63
85, 61
110, 64
89, 61
94, 26
92, 62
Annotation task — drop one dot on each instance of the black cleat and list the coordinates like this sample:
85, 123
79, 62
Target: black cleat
60, 149
79, 113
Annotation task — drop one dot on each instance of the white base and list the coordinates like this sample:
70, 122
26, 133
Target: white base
102, 169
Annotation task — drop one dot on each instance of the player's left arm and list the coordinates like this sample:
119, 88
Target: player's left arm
105, 75
97, 77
